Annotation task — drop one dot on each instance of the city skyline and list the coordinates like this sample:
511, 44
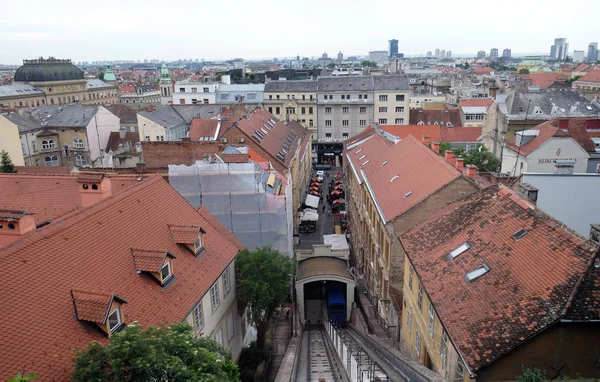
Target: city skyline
119, 30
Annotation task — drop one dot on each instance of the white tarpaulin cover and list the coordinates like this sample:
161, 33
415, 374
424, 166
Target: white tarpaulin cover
312, 201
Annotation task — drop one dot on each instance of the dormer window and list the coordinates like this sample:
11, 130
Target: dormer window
100, 308
190, 236
158, 264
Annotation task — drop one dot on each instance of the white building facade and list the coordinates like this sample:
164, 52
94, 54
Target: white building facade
194, 92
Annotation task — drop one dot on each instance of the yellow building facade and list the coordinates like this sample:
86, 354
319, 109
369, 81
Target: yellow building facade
10, 142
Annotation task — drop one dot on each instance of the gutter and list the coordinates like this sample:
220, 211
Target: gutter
373, 196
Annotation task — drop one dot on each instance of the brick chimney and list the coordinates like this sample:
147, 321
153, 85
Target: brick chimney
460, 164
435, 146
94, 188
450, 156
140, 168
471, 171
14, 224
426, 139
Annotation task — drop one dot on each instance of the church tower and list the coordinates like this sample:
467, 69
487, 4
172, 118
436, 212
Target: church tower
166, 86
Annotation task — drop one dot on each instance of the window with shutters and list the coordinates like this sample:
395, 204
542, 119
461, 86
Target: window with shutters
420, 298
431, 319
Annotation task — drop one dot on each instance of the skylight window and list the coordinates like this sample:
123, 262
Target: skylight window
362, 157
384, 163
458, 251
519, 234
367, 161
477, 273
409, 193
357, 151
394, 178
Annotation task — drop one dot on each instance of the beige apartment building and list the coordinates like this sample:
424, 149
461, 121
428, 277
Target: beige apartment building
391, 100
295, 100
47, 82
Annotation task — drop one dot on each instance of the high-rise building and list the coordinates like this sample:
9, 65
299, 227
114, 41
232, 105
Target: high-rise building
429, 53
442, 53
506, 53
592, 53
437, 53
559, 50
393, 48
340, 57
578, 55
449, 54
494, 54
481, 54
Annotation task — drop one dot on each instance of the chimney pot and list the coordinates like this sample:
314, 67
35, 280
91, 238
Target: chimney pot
93, 191
471, 171
460, 164
15, 226
426, 139
435, 146
450, 156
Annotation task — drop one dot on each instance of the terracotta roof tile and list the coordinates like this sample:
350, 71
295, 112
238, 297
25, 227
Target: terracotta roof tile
586, 304
417, 131
94, 248
529, 282
546, 131
12, 215
148, 260
126, 114
183, 234
60, 193
200, 128
460, 134
580, 129
478, 102
593, 76
432, 117
89, 178
90, 306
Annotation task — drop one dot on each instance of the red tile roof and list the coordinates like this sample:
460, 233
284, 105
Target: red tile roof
486, 70
162, 154
101, 262
460, 134
200, 128
273, 136
578, 129
60, 195
593, 76
529, 282
367, 132
90, 306
148, 260
433, 117
400, 175
478, 102
417, 131
114, 140
127, 89
372, 148
184, 234
546, 132
586, 304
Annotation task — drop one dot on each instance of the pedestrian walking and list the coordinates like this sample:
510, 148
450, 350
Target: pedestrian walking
323, 208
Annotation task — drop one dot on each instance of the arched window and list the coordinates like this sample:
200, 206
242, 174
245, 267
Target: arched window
77, 143
51, 160
48, 144
79, 160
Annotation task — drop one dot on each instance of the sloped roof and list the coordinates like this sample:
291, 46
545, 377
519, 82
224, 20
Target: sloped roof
203, 128
353, 83
565, 102
460, 134
148, 260
577, 128
476, 102
19, 90
396, 82
546, 131
420, 173
48, 197
372, 147
92, 306
417, 131
432, 117
291, 86
586, 304
529, 282
280, 139
593, 76
102, 262
126, 114
184, 234
73, 116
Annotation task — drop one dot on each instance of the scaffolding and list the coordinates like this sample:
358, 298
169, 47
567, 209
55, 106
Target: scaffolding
250, 202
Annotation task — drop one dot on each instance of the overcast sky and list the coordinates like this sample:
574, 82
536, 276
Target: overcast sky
111, 29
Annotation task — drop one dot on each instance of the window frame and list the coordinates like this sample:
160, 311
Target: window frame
444, 349
226, 285
214, 296
198, 310
78, 143
431, 320
119, 322
418, 343
164, 279
420, 297
383, 98
409, 321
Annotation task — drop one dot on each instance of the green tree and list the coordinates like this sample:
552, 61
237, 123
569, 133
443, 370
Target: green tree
171, 354
369, 64
23, 378
524, 71
264, 277
482, 158
101, 76
331, 66
532, 375
444, 146
6, 164
571, 80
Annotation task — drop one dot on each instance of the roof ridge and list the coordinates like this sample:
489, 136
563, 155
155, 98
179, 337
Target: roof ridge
444, 163
70, 218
